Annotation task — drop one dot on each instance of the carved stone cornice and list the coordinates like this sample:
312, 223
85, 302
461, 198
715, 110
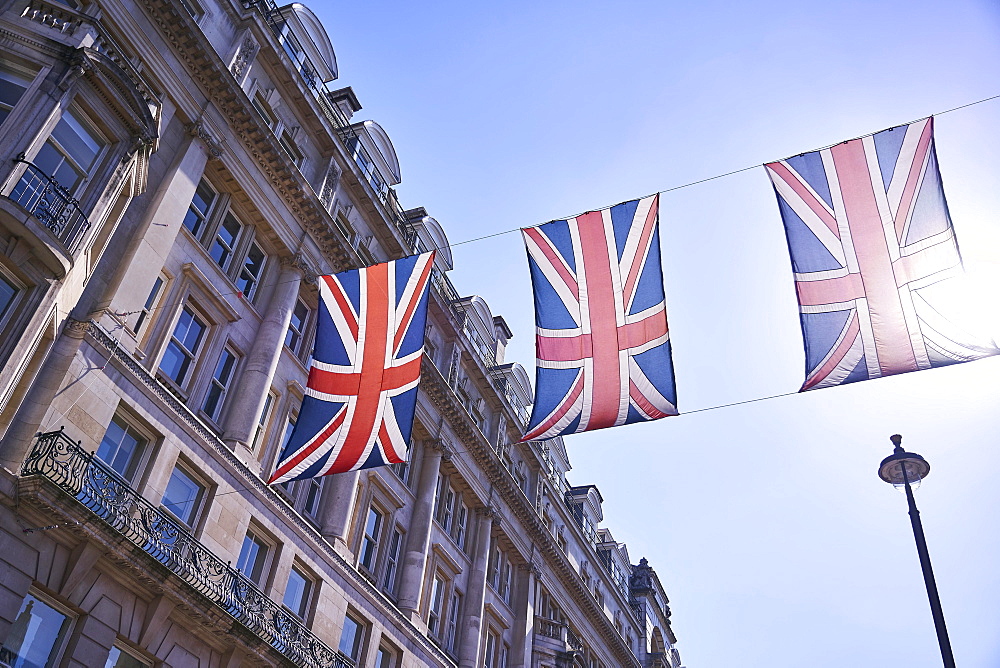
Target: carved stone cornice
215, 79
197, 129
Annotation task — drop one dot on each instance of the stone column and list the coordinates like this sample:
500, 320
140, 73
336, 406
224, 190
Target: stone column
468, 654
337, 505
411, 575
255, 381
524, 615
100, 288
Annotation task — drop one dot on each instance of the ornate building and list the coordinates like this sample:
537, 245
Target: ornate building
173, 177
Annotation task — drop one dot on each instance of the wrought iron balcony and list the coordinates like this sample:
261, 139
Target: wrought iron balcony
100, 489
50, 203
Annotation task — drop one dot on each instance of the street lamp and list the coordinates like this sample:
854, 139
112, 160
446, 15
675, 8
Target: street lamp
900, 469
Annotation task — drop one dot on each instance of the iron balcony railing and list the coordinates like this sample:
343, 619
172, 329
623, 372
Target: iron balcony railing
550, 628
100, 489
50, 203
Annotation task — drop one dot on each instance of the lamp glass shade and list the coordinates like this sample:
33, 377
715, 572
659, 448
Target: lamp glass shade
892, 468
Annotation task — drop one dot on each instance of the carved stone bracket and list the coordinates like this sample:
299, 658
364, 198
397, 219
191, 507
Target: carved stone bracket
76, 66
489, 513
197, 129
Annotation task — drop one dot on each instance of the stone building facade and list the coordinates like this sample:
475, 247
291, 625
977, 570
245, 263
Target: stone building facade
173, 177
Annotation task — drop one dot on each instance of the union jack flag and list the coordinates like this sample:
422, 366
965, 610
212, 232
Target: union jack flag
871, 240
602, 343
362, 388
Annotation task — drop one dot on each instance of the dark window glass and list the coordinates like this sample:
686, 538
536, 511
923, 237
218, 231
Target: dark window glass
225, 241
120, 448
182, 496
202, 201
183, 346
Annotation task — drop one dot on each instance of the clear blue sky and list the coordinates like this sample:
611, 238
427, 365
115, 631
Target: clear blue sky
778, 544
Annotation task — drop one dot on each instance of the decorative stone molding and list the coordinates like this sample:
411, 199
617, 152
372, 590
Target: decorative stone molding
440, 446
531, 568
248, 49
77, 64
197, 129
298, 261
75, 328
489, 513
330, 183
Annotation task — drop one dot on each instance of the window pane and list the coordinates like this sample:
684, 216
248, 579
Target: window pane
80, 144
297, 593
220, 383
350, 639
295, 326
7, 293
120, 659
35, 635
200, 204
182, 496
252, 556
369, 544
120, 448
225, 241
12, 87
183, 346
253, 267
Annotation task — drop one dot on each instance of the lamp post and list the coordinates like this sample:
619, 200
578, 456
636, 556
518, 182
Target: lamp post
900, 469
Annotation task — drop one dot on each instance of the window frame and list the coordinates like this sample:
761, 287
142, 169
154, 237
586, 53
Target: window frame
143, 448
371, 539
393, 554
262, 539
191, 369
222, 388
308, 595
360, 638
200, 502
66, 629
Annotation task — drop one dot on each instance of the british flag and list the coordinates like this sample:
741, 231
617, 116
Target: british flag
362, 388
871, 241
602, 342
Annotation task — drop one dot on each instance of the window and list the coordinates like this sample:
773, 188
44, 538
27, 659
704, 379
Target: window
504, 656
68, 155
491, 655
297, 593
312, 497
451, 632
183, 346
226, 239
147, 308
291, 149
385, 658
121, 448
183, 496
8, 291
369, 543
119, 658
253, 267
201, 204
461, 526
286, 487
434, 610
447, 509
392, 560
37, 635
296, 326
221, 380
499, 571
265, 415
253, 557
352, 637
402, 470
264, 109
12, 87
